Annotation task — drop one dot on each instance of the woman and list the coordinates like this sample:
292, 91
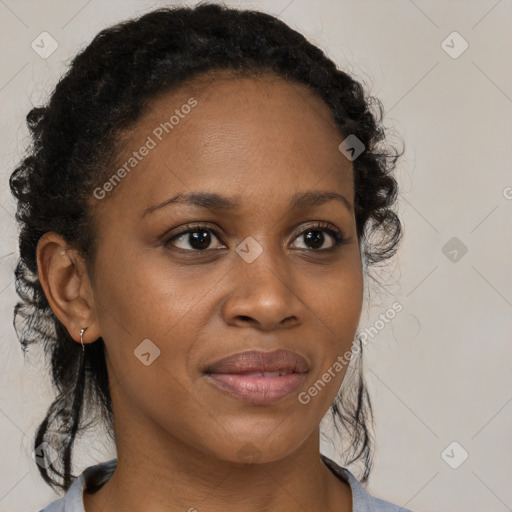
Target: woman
203, 198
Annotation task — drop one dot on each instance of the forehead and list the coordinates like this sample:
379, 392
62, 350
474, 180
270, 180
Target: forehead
243, 133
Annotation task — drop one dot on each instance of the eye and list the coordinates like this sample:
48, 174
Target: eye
314, 239
198, 239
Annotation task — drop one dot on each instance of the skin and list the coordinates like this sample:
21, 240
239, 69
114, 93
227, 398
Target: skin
178, 438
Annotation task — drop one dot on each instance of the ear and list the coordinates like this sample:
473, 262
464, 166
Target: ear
64, 279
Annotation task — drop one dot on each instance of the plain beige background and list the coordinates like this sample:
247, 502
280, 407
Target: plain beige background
439, 372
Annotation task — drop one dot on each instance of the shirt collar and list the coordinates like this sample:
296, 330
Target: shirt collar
361, 499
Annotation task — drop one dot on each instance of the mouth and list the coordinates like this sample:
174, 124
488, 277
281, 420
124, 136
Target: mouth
258, 377
256, 362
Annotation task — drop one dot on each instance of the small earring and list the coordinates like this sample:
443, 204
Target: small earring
82, 339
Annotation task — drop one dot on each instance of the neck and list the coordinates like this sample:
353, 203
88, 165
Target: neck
157, 472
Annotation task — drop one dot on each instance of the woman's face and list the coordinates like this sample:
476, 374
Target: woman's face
255, 275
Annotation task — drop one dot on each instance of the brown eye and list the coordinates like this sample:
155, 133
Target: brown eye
197, 239
314, 237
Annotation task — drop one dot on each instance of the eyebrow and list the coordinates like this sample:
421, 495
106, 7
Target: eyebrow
213, 201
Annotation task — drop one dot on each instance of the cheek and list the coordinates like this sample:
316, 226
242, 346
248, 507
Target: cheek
338, 302
142, 293
142, 312
155, 307
149, 319
337, 307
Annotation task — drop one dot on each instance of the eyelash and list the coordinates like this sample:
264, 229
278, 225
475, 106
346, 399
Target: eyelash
337, 236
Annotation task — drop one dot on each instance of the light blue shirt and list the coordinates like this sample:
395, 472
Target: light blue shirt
96, 476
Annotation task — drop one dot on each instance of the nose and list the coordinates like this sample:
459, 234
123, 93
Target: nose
263, 296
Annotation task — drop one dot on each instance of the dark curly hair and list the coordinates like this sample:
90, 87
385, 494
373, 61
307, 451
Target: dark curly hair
75, 140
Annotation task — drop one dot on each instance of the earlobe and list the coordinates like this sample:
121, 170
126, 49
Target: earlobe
66, 285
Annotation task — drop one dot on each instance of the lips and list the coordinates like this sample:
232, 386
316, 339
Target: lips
258, 378
256, 363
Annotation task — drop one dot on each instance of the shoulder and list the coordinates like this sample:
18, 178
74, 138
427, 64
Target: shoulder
362, 501
91, 478
71, 501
